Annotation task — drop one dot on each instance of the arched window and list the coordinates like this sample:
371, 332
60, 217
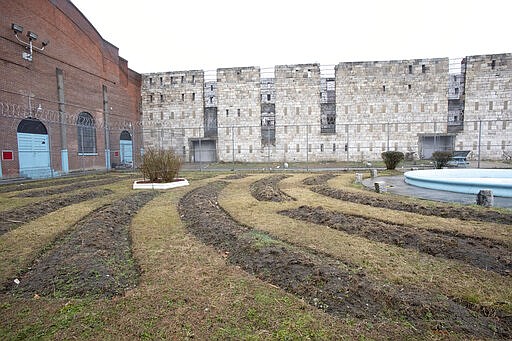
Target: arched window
32, 126
86, 134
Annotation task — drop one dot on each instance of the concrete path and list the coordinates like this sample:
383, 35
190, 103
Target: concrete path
397, 185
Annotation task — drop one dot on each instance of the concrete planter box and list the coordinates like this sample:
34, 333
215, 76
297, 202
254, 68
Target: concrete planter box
178, 182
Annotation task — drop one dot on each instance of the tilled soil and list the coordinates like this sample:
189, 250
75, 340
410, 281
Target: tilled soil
235, 177
267, 189
319, 279
54, 182
445, 211
93, 260
318, 179
9, 220
75, 186
479, 252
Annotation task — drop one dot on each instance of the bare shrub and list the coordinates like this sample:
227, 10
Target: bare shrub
160, 165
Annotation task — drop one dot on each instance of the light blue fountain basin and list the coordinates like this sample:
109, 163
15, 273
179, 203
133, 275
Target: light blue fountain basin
469, 180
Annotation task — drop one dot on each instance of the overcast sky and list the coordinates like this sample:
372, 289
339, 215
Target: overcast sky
170, 35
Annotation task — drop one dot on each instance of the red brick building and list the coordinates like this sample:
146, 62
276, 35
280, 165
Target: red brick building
73, 105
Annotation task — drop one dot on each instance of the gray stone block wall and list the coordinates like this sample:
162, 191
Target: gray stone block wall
488, 98
173, 109
382, 96
396, 105
238, 114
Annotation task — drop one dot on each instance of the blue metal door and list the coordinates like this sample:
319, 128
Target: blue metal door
126, 151
34, 155
126, 148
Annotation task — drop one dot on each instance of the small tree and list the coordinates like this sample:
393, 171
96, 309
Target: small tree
160, 165
392, 159
441, 158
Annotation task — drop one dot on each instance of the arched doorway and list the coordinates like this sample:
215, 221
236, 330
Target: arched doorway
126, 148
33, 149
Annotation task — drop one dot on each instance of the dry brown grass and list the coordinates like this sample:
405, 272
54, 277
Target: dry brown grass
384, 261
473, 228
19, 247
187, 290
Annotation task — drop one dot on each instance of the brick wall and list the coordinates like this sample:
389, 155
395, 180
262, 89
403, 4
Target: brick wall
87, 62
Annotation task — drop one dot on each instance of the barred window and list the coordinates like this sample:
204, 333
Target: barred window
86, 134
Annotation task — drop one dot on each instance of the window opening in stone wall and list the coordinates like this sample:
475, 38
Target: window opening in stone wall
182, 97
383, 88
321, 147
268, 97
334, 147
193, 79
423, 69
211, 87
193, 96
151, 98
172, 80
239, 149
456, 91
227, 112
490, 105
86, 130
493, 64
150, 81
161, 98
211, 99
161, 80
182, 79
410, 69
346, 147
238, 112
409, 86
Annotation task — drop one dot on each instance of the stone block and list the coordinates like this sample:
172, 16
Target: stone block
373, 173
359, 178
485, 198
380, 186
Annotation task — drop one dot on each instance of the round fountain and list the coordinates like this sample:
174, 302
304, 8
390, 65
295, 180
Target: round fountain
468, 180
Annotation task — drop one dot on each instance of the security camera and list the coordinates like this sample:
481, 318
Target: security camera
31, 35
16, 28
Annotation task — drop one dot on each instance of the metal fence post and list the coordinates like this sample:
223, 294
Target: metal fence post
233, 145
479, 140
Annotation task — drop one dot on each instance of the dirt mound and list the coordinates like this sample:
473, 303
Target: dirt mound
75, 186
94, 259
318, 179
235, 177
9, 220
320, 280
47, 183
479, 252
445, 211
267, 189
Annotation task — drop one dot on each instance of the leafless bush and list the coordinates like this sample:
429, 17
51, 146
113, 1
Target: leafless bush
160, 165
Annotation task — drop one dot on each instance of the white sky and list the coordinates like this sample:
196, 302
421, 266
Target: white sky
173, 35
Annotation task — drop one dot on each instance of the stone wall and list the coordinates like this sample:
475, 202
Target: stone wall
488, 97
173, 110
238, 114
375, 106
390, 101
